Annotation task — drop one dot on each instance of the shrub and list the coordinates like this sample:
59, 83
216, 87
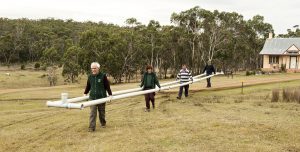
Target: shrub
250, 73
44, 67
172, 76
275, 95
247, 73
287, 94
283, 68
37, 65
297, 95
22, 67
60, 65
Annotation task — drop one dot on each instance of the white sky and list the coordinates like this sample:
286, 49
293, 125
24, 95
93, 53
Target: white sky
282, 14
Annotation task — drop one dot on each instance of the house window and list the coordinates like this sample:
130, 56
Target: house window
292, 51
273, 59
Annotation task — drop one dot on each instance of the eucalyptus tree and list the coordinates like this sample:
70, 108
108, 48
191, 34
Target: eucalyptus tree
153, 29
259, 33
192, 21
96, 44
6, 47
71, 67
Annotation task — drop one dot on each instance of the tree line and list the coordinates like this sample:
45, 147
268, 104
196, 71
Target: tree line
194, 37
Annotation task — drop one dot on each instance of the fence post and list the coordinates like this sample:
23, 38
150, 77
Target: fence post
242, 87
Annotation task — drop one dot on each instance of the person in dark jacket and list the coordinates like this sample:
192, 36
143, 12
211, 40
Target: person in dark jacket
184, 76
149, 81
97, 86
209, 68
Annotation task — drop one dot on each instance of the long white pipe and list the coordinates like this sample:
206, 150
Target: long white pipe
103, 100
68, 104
77, 99
60, 104
197, 76
139, 89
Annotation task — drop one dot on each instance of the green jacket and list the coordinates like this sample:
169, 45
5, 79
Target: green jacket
153, 81
97, 90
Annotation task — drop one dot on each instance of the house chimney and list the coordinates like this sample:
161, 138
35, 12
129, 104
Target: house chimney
270, 35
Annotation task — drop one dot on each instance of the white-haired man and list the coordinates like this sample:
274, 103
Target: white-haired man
97, 85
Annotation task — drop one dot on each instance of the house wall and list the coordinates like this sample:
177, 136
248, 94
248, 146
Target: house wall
293, 48
284, 59
266, 64
270, 67
298, 60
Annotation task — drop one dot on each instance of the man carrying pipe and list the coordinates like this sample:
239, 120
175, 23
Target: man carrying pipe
209, 69
148, 82
184, 76
70, 103
97, 85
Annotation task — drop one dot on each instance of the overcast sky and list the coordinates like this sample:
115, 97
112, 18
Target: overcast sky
282, 14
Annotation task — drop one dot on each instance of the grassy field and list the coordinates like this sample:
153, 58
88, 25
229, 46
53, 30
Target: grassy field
214, 119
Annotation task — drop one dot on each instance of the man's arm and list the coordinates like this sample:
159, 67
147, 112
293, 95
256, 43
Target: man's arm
88, 87
204, 69
142, 83
156, 81
214, 69
178, 76
190, 75
107, 85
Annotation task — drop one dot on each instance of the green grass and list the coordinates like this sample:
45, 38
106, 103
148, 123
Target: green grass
29, 79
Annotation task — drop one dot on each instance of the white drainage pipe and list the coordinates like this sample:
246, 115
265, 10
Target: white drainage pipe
67, 103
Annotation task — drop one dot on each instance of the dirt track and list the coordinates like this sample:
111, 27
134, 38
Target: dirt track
219, 82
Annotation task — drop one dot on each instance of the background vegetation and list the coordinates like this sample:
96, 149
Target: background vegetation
195, 36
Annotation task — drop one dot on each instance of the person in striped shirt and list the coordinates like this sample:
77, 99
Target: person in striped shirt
183, 76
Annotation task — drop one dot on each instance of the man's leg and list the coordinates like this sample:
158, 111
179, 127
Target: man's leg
180, 92
101, 109
152, 99
93, 115
208, 82
186, 90
147, 99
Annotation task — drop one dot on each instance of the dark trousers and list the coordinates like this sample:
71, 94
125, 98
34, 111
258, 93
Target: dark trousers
93, 115
186, 91
150, 97
208, 82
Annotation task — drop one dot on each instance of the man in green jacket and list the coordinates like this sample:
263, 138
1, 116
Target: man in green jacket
97, 85
148, 82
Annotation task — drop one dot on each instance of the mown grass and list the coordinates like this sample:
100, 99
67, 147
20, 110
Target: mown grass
209, 120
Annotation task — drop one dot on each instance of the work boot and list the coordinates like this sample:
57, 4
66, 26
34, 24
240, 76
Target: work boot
103, 125
91, 129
